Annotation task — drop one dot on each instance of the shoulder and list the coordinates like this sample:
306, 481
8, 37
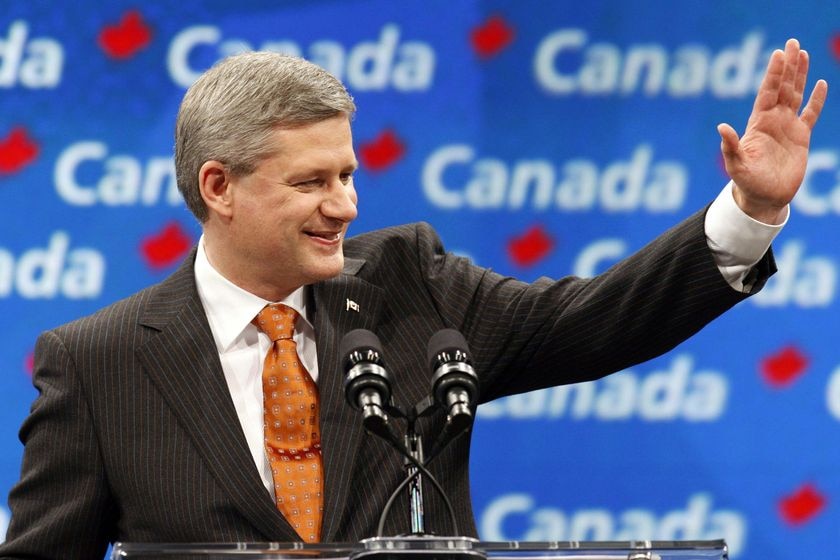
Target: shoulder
409, 238
412, 255
121, 318
108, 317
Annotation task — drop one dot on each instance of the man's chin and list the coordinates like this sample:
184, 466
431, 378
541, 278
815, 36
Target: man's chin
327, 268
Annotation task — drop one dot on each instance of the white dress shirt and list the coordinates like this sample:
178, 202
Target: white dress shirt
737, 242
242, 348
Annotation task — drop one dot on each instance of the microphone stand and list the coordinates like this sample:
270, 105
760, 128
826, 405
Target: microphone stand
414, 457
414, 446
417, 545
367, 388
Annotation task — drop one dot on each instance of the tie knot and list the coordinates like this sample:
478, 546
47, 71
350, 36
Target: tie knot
277, 321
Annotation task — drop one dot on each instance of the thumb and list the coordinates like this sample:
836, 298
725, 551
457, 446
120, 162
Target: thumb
729, 141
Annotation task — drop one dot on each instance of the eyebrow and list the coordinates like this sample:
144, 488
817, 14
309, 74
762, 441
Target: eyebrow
352, 166
307, 174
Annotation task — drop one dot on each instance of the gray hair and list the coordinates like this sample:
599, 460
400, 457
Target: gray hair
231, 111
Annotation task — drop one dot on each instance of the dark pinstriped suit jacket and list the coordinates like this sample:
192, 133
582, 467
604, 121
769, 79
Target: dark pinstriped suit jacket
134, 436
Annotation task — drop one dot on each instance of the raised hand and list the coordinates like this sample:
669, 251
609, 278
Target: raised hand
767, 164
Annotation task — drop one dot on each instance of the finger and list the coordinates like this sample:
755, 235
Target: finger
786, 93
815, 104
801, 77
729, 142
768, 91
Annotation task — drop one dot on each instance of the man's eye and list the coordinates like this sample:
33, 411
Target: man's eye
346, 178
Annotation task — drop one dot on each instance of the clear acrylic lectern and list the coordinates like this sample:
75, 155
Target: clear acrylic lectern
428, 548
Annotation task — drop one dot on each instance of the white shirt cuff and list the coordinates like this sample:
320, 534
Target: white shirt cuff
737, 241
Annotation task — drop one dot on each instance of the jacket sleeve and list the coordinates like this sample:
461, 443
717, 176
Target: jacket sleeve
60, 508
531, 336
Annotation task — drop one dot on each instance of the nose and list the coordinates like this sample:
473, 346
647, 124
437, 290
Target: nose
340, 202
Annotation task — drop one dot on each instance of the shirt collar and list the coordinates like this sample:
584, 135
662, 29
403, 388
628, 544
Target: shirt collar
229, 308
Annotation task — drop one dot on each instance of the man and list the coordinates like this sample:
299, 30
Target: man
153, 423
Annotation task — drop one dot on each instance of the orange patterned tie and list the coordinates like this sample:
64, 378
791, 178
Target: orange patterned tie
292, 435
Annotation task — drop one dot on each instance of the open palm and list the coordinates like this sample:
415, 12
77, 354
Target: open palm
767, 164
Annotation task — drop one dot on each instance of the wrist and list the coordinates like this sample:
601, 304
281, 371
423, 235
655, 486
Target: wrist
759, 211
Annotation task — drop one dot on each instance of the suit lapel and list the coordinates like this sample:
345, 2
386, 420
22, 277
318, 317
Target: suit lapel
342, 304
183, 362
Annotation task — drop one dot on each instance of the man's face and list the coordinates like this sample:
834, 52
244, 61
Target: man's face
289, 218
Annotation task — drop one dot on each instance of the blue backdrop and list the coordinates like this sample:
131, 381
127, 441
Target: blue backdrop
539, 138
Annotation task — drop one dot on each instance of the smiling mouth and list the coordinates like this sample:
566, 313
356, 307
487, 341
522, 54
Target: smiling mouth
324, 235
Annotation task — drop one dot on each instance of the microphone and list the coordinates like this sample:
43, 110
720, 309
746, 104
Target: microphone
367, 385
454, 381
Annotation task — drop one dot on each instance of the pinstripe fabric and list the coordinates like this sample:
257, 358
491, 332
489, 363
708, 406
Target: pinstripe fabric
120, 445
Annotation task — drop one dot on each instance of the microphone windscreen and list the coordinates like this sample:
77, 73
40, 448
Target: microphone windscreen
359, 339
446, 340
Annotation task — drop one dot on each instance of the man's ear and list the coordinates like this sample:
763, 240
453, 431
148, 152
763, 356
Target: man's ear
214, 183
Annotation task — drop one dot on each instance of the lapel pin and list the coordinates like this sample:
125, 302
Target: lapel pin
352, 305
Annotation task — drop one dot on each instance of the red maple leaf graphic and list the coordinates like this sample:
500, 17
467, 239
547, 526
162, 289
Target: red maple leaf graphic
124, 39
491, 37
382, 152
802, 505
835, 47
165, 247
17, 150
530, 247
782, 368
